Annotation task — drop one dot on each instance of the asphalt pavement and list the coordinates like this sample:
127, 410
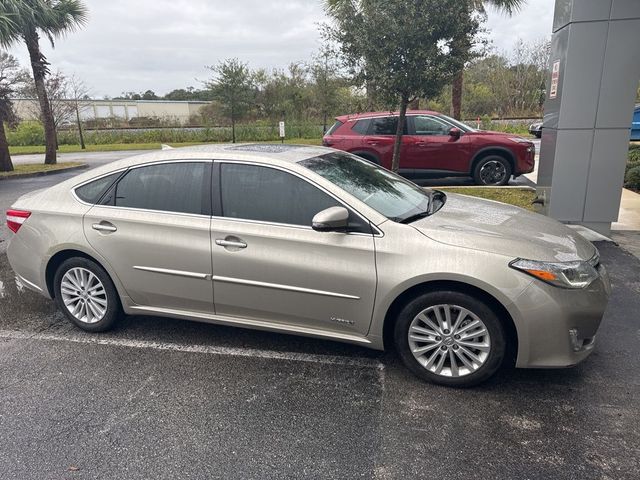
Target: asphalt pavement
163, 398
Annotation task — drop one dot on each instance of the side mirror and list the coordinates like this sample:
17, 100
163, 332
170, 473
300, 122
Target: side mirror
333, 219
455, 133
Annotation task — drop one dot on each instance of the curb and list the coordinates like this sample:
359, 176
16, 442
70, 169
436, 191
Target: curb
44, 173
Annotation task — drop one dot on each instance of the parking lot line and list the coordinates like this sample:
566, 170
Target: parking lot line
206, 349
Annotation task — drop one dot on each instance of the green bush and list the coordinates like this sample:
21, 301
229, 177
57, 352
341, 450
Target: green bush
632, 178
634, 153
26, 134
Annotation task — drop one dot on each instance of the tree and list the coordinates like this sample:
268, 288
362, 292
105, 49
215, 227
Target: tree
403, 47
464, 43
77, 92
9, 77
325, 74
25, 21
233, 88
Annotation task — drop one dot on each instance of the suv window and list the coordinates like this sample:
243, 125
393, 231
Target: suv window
170, 187
385, 126
265, 194
334, 127
361, 126
424, 125
92, 192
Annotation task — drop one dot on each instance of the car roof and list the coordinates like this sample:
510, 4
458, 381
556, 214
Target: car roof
267, 153
358, 116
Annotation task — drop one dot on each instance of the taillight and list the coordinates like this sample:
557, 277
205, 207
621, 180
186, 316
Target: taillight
15, 219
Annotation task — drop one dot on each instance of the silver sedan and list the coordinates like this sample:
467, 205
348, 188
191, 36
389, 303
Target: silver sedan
315, 242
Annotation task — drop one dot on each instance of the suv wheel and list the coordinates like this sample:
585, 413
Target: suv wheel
492, 170
86, 294
450, 338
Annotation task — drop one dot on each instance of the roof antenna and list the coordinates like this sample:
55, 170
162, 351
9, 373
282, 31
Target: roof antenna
166, 147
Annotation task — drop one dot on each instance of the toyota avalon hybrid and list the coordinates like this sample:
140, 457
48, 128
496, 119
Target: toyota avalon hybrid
317, 242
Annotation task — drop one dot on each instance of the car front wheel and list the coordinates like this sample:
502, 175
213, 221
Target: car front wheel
492, 170
450, 338
86, 294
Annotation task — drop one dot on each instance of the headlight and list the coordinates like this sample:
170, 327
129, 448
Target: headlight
520, 140
577, 274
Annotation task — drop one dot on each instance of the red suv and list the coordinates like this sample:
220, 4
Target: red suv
434, 146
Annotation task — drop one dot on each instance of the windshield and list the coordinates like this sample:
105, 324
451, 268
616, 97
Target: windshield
452, 121
384, 191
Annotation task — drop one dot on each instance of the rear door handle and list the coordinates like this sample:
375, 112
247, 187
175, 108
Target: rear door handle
104, 227
230, 243
420, 144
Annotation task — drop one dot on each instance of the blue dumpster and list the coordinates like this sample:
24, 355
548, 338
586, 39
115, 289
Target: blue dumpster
635, 126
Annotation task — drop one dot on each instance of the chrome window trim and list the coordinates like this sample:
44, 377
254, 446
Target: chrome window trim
127, 169
376, 231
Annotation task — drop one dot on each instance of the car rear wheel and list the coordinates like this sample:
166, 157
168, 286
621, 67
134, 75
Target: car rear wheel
450, 338
492, 170
86, 295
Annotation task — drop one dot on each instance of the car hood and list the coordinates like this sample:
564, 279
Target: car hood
495, 227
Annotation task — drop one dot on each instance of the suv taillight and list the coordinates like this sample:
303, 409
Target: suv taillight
15, 219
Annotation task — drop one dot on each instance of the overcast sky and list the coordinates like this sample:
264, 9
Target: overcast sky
135, 45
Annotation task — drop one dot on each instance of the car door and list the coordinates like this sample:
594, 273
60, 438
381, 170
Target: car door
152, 227
380, 139
269, 265
430, 147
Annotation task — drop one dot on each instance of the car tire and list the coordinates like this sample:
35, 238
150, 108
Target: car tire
492, 170
428, 346
86, 295
538, 134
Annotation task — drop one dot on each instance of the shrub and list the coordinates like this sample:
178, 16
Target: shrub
632, 178
634, 153
26, 134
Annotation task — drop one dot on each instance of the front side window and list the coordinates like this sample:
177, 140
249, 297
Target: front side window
424, 125
170, 187
253, 192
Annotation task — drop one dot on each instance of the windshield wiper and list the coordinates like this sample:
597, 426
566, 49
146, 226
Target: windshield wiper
417, 216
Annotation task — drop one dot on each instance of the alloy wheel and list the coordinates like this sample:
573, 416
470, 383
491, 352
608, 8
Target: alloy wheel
449, 340
493, 172
84, 295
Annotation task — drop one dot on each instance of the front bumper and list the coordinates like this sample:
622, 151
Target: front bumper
557, 327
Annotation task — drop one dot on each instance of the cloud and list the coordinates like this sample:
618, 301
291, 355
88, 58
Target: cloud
135, 45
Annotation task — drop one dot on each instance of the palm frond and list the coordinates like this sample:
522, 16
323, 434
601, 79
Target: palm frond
60, 17
508, 6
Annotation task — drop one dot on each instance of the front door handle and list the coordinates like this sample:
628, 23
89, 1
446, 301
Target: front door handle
104, 227
230, 243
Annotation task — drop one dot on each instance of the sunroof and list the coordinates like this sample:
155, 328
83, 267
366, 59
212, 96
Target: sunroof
265, 147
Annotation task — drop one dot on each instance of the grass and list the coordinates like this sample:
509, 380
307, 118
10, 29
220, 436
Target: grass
520, 197
37, 167
38, 149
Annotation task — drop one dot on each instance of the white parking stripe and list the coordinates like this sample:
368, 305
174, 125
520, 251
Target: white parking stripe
207, 349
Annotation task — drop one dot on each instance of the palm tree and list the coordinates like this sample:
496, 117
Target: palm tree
24, 21
463, 45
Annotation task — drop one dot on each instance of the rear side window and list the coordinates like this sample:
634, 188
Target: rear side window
92, 192
266, 194
170, 187
334, 127
361, 126
385, 126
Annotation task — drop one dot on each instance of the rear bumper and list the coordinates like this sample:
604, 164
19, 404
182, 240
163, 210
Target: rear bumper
27, 266
558, 327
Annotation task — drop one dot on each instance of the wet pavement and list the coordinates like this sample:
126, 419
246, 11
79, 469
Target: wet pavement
162, 398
